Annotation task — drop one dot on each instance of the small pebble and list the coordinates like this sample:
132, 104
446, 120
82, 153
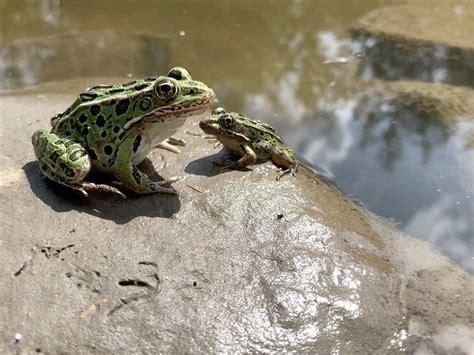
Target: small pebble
17, 337
280, 216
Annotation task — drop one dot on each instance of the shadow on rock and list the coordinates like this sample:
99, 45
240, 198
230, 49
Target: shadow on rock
209, 165
102, 205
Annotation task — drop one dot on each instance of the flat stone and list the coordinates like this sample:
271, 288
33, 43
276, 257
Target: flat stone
446, 103
238, 262
408, 42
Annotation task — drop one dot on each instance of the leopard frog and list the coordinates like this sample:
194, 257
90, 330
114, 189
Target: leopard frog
112, 128
252, 140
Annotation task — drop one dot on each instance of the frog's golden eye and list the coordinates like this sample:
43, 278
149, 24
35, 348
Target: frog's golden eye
227, 121
175, 74
166, 89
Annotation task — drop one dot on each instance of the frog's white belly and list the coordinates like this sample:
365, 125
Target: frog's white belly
154, 134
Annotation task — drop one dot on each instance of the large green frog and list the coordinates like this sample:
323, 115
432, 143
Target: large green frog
112, 128
252, 140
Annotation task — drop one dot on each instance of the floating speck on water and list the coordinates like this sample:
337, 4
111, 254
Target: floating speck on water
458, 10
182, 33
18, 337
41, 96
457, 202
439, 190
370, 42
129, 75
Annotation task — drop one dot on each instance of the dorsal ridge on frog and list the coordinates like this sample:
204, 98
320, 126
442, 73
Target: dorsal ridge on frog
112, 128
252, 140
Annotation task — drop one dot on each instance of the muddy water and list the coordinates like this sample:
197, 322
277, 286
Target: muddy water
287, 62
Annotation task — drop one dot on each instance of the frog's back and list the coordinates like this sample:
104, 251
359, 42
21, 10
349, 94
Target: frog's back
263, 137
98, 95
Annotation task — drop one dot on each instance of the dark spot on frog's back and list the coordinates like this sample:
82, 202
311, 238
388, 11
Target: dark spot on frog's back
150, 78
115, 91
83, 118
141, 86
88, 96
130, 83
122, 107
100, 122
108, 150
101, 87
95, 109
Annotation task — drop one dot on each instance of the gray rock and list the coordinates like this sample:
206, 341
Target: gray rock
237, 263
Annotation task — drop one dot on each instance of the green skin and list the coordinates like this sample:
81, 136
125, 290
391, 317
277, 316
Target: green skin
250, 139
112, 129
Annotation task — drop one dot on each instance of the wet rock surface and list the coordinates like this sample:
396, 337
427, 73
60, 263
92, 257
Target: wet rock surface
236, 262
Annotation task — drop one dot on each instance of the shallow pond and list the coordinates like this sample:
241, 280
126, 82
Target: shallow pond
295, 64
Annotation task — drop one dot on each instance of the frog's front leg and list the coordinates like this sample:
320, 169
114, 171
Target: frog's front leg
63, 160
249, 157
132, 177
171, 143
286, 160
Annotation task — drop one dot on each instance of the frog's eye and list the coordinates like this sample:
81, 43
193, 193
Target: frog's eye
218, 111
175, 74
145, 104
227, 121
166, 90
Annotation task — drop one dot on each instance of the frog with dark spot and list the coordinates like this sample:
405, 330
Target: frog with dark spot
112, 128
252, 140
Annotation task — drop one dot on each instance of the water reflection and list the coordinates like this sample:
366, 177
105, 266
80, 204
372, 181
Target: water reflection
75, 55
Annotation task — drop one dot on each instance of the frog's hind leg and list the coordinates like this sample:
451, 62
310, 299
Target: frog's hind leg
64, 161
285, 160
61, 159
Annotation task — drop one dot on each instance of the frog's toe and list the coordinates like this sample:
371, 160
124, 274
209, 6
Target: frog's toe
101, 188
284, 172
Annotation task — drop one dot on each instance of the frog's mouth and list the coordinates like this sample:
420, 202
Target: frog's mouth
179, 110
210, 127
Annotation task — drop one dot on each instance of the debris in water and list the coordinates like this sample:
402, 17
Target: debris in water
344, 60
182, 33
